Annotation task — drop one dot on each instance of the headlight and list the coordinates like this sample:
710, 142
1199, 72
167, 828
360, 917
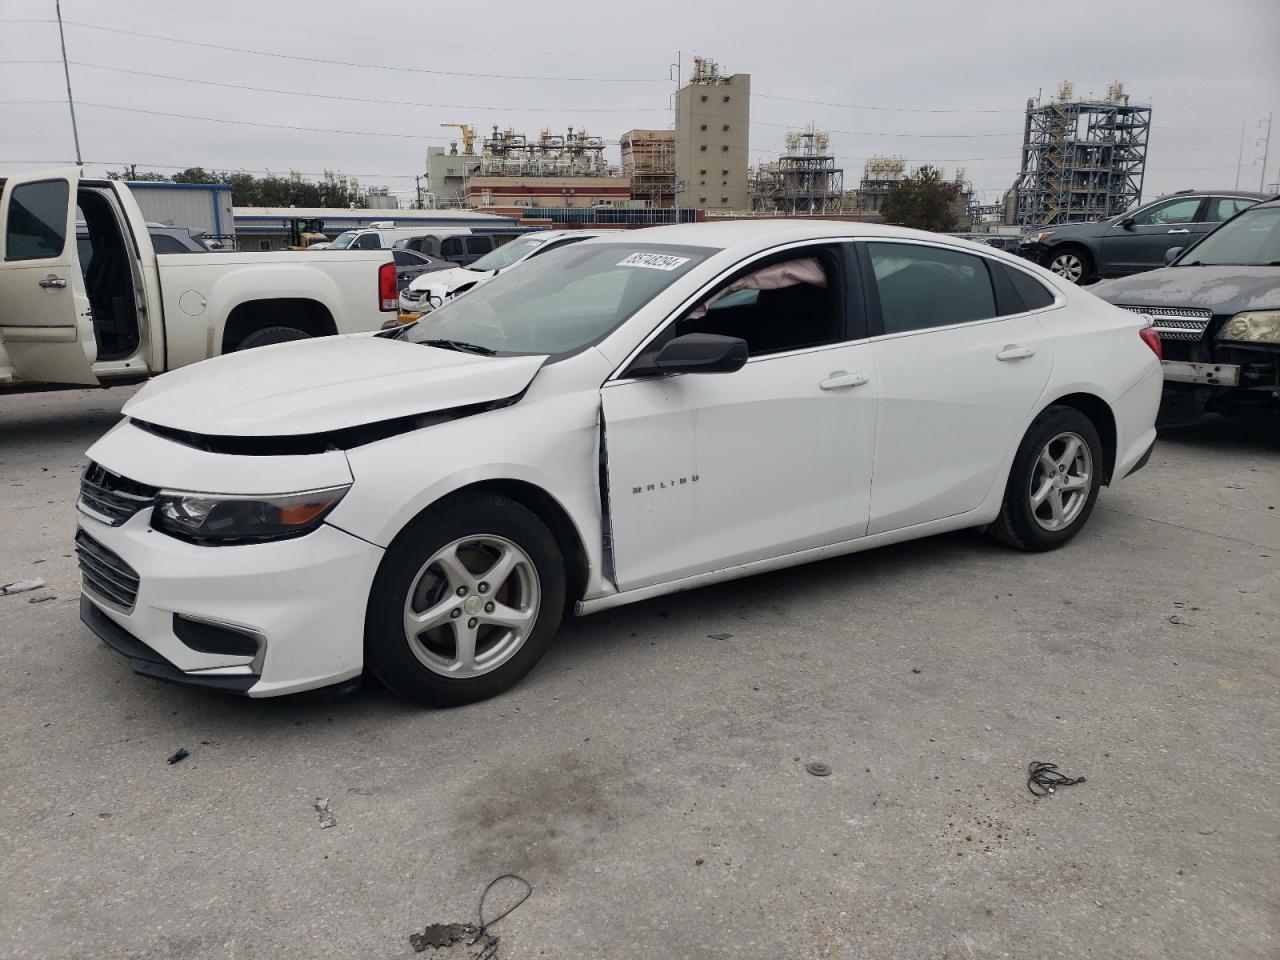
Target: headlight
1040, 237
212, 518
1256, 326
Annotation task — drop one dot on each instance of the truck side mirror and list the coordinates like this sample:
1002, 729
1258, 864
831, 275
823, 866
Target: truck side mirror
1172, 254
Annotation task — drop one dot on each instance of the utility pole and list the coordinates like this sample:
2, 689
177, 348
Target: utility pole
1266, 152
66, 71
1240, 156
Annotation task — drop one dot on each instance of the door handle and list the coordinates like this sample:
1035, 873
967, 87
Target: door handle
1179, 231
50, 283
839, 380
1014, 352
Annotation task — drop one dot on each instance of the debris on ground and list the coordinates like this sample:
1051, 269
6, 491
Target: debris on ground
1176, 620
178, 757
719, 636
327, 817
915, 670
21, 586
446, 934
1044, 778
818, 768
42, 599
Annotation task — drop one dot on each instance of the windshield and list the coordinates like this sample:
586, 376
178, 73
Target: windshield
342, 240
562, 301
1252, 239
508, 253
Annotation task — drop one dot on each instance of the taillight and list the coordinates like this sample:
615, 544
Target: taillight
1152, 339
388, 295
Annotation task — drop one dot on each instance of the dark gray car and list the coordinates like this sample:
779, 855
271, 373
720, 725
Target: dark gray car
1135, 240
1217, 309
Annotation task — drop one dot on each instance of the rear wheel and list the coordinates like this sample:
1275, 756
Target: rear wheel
1070, 263
1054, 482
465, 601
270, 335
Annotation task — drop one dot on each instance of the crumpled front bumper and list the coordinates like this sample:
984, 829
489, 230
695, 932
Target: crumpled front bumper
303, 600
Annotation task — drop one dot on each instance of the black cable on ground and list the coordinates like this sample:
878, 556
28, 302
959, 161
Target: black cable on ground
490, 941
1044, 778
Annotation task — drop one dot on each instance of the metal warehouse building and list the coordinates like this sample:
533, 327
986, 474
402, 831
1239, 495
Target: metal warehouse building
200, 207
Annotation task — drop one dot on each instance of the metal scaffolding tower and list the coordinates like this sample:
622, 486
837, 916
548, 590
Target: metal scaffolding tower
805, 179
1081, 159
649, 160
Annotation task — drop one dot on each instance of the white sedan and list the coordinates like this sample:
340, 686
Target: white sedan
429, 291
623, 418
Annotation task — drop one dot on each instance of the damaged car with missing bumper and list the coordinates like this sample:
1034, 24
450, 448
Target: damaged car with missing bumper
1217, 310
622, 418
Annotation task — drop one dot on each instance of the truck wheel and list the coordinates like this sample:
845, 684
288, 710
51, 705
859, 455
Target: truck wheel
1070, 263
1054, 482
465, 601
269, 335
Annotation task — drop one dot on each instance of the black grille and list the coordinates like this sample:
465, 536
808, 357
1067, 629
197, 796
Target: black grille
104, 574
111, 497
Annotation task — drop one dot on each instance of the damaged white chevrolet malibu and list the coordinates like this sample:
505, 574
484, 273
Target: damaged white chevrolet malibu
625, 417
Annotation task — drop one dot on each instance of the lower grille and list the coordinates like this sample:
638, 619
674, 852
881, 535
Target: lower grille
113, 498
1176, 323
105, 574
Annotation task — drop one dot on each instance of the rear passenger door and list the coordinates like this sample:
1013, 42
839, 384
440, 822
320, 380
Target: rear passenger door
961, 361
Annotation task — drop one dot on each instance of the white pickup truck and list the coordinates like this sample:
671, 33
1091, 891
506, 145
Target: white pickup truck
129, 313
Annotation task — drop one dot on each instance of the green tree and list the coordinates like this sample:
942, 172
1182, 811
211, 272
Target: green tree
924, 201
248, 190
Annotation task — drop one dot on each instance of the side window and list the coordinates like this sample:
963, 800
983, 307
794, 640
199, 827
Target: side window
402, 244
367, 241
786, 302
1034, 294
451, 247
1223, 208
922, 287
37, 227
479, 245
163, 243
1174, 211
403, 259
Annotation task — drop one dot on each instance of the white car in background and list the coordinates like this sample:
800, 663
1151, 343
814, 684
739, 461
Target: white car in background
428, 292
635, 415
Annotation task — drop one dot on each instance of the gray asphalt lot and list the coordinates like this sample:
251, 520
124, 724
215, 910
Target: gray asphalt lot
649, 780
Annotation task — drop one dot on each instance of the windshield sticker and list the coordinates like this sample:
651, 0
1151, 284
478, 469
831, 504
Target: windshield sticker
653, 261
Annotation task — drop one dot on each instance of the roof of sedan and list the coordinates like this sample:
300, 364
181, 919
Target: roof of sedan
731, 233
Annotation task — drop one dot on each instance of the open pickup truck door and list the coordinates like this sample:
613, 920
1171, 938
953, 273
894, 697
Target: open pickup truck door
46, 326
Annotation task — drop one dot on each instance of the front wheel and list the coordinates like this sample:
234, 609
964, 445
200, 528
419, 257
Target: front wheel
465, 602
1054, 482
1070, 263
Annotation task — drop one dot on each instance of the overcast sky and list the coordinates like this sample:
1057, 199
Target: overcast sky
1206, 68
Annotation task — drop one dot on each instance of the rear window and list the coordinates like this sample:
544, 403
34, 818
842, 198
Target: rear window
37, 226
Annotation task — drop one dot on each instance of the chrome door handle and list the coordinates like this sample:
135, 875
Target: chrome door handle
839, 380
53, 283
1179, 231
1015, 352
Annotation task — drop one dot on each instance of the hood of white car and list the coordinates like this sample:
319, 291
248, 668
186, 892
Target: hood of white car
332, 383
448, 280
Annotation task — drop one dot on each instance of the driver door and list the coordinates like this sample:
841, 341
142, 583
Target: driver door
1141, 244
713, 470
46, 326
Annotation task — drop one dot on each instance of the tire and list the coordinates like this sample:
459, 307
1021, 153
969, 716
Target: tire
271, 335
417, 579
1073, 264
1027, 526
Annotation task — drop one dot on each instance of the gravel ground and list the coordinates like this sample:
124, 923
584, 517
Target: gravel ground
649, 779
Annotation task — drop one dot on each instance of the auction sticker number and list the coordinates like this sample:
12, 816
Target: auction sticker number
653, 261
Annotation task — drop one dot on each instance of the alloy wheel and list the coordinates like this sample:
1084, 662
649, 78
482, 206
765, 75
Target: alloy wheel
472, 606
1061, 481
1068, 266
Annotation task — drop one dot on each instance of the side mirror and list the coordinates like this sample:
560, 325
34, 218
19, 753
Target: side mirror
1172, 254
696, 353
1127, 223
